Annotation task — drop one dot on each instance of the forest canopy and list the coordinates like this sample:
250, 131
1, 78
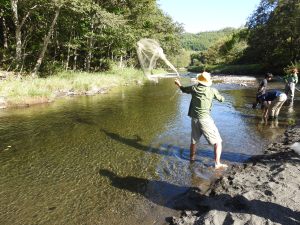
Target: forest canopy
85, 35
91, 35
270, 38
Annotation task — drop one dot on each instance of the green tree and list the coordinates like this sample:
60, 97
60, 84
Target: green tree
43, 35
203, 40
274, 33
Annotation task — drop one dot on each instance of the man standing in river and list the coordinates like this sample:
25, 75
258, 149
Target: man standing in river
263, 84
262, 88
199, 111
290, 83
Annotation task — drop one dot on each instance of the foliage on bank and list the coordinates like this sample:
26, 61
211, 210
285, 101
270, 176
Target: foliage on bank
274, 34
48, 36
271, 38
250, 69
27, 90
203, 40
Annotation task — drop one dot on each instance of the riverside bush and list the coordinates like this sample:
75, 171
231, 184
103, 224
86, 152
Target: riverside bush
26, 89
249, 69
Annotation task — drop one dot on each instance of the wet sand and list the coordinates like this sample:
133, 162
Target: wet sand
264, 190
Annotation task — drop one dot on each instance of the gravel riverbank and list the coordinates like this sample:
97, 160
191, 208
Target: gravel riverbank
264, 190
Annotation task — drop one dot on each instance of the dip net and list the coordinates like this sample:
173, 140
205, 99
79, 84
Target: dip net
149, 51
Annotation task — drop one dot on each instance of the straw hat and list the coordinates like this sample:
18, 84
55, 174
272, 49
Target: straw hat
204, 79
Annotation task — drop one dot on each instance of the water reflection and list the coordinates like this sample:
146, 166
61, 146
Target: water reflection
138, 137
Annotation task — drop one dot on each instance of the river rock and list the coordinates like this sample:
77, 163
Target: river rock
264, 190
3, 103
71, 93
296, 147
139, 82
93, 91
60, 93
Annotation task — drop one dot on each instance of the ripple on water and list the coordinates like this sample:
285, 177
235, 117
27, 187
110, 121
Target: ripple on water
88, 161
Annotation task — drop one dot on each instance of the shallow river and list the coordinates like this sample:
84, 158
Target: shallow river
119, 158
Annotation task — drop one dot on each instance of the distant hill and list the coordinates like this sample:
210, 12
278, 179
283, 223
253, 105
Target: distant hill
203, 40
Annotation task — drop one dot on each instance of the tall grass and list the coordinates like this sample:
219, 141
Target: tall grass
34, 90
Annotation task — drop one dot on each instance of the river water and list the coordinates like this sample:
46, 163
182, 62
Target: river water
119, 158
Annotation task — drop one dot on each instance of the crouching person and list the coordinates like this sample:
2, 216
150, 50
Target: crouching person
271, 103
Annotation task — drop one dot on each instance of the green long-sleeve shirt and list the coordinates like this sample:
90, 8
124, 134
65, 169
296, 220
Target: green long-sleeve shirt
291, 78
201, 101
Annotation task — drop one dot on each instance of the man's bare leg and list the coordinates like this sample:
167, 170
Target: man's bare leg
192, 151
218, 151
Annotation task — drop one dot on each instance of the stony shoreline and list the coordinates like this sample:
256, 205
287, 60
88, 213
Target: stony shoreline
27, 101
264, 190
4, 103
23, 91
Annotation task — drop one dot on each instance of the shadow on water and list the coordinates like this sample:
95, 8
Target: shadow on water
84, 121
278, 157
158, 192
81, 120
133, 142
170, 150
184, 198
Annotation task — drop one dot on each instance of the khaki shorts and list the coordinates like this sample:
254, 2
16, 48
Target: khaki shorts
207, 127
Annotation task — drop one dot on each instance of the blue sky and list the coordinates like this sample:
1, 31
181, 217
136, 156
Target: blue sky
208, 15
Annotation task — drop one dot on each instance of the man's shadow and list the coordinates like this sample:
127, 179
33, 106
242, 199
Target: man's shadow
134, 142
187, 198
279, 158
158, 192
168, 150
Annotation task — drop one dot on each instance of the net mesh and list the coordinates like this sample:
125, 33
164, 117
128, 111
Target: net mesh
149, 51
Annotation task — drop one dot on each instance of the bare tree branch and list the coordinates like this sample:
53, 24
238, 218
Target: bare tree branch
27, 15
